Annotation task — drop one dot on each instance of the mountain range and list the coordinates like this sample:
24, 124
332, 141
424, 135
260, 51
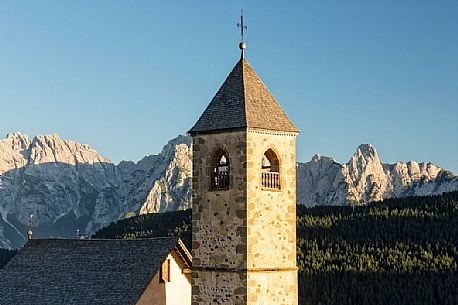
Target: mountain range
67, 186
323, 181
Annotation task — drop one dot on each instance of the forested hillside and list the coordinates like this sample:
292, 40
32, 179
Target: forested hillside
176, 223
399, 251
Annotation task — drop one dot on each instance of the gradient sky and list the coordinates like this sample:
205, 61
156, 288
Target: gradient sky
127, 76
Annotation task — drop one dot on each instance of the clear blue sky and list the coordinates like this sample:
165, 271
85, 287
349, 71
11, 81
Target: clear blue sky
127, 76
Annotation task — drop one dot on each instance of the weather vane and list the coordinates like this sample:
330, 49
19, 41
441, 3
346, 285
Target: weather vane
242, 27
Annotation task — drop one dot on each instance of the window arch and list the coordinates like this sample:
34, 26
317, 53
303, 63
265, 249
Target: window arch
219, 176
270, 176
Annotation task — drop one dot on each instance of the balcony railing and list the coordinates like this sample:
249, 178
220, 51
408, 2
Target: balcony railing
219, 180
270, 180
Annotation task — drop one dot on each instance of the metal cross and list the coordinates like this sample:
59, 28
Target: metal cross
242, 26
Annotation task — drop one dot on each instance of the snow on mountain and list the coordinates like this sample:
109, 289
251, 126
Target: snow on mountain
322, 181
67, 185
157, 183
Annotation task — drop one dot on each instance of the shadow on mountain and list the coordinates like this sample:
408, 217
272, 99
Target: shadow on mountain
60, 196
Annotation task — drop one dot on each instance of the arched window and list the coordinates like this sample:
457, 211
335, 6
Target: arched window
270, 177
219, 176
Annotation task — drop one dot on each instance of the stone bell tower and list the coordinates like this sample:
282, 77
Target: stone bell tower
244, 196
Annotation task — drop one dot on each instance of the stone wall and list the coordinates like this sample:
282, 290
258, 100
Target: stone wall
272, 287
244, 237
219, 287
271, 217
219, 222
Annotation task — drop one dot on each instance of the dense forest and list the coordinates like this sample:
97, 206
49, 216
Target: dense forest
176, 223
398, 251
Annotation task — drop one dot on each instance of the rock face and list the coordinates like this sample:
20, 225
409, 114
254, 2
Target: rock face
157, 183
66, 185
322, 181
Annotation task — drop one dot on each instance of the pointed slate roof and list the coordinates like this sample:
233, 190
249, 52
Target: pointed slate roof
93, 271
243, 101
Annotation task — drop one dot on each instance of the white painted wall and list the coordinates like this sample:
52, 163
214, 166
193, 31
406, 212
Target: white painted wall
178, 290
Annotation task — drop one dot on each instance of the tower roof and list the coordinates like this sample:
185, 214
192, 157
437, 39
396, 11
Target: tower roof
243, 101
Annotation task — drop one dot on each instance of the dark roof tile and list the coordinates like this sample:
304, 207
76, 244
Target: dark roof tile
72, 271
243, 101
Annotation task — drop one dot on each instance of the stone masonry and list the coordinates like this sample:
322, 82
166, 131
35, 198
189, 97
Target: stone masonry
271, 222
219, 226
244, 235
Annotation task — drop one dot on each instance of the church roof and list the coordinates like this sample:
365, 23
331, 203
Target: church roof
243, 101
72, 271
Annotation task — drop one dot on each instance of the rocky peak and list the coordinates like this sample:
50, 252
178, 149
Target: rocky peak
17, 138
157, 183
169, 149
320, 158
365, 157
13, 151
175, 180
316, 158
51, 148
318, 163
68, 185
365, 178
366, 150
364, 175
49, 178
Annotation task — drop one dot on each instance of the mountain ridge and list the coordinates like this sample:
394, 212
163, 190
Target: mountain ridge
67, 185
364, 178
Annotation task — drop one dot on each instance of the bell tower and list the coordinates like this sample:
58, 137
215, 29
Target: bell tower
244, 196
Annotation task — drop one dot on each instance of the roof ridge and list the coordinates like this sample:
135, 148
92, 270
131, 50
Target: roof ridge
243, 101
242, 61
280, 114
100, 239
